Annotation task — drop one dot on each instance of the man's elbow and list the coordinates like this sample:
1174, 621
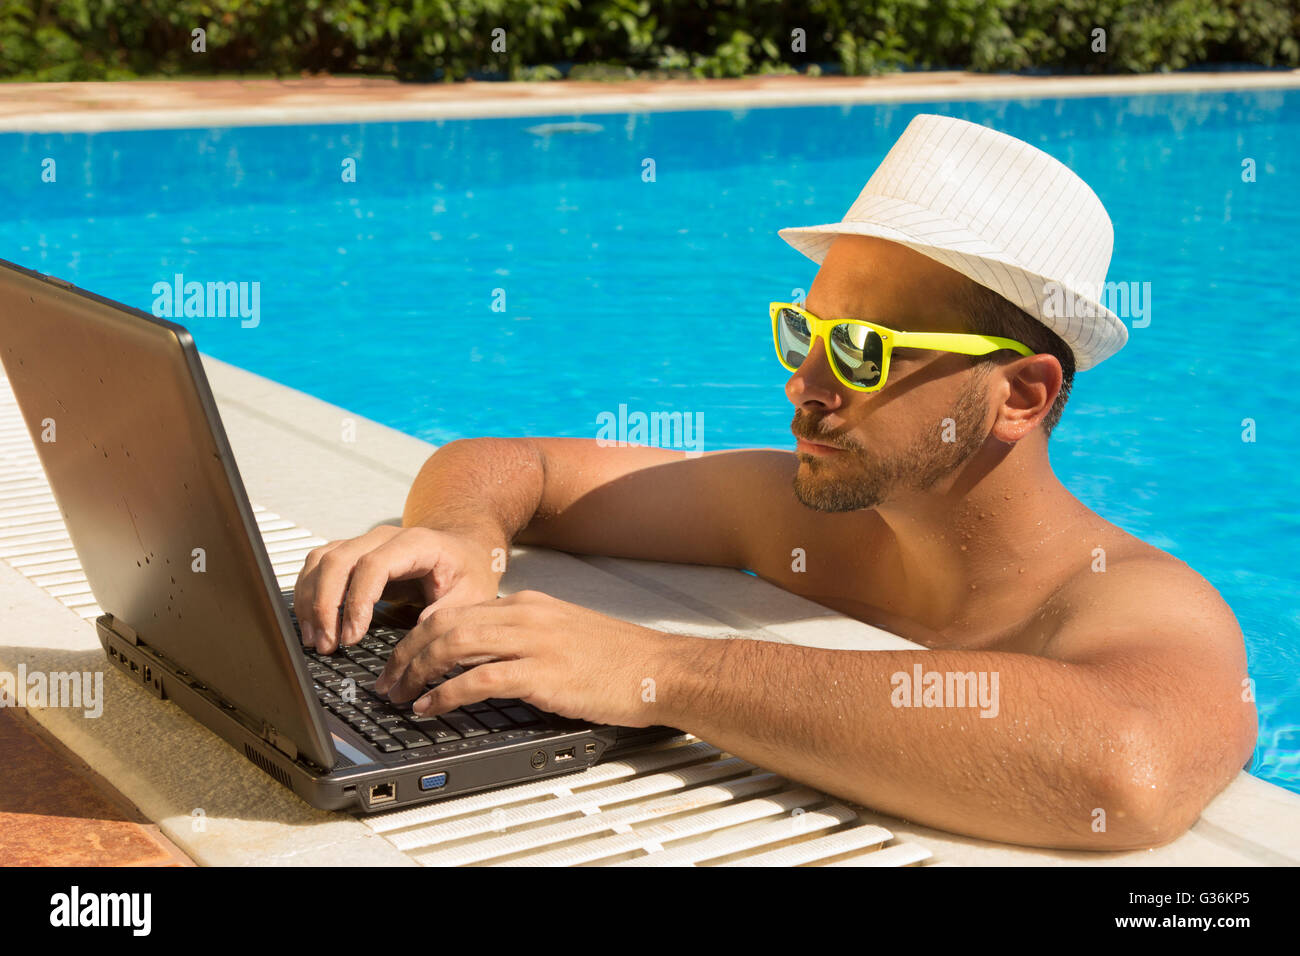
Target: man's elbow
1150, 797
1140, 813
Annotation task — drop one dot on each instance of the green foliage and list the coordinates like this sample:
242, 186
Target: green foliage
541, 39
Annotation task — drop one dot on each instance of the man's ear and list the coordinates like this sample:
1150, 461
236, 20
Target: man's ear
1033, 382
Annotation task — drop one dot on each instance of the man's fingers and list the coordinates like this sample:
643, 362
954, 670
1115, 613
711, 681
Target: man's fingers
340, 582
420, 560
410, 678
304, 590
499, 679
396, 559
434, 653
329, 582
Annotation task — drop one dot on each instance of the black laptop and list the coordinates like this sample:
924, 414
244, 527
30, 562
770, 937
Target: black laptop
120, 411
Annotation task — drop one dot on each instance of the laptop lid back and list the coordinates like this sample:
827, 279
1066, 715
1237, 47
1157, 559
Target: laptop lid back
124, 423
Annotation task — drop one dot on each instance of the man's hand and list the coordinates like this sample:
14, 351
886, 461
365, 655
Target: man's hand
557, 656
341, 581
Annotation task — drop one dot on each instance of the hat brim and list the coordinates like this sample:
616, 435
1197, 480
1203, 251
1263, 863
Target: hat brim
1094, 336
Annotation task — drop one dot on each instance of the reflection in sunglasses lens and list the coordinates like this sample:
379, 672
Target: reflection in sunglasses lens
794, 337
858, 352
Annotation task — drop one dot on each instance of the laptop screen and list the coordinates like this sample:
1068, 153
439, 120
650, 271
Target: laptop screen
127, 431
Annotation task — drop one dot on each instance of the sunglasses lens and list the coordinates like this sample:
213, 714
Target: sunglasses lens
858, 353
792, 337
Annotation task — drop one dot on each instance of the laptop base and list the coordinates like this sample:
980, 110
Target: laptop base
362, 781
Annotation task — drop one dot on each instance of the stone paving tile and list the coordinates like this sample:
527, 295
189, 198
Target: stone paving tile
54, 811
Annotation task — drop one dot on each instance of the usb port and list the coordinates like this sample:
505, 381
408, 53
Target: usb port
433, 781
565, 754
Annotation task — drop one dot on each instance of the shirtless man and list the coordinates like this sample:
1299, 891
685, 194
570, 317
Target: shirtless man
927, 507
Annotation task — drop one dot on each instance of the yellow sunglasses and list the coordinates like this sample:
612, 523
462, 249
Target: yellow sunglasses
859, 351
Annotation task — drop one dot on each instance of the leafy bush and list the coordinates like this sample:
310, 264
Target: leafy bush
540, 39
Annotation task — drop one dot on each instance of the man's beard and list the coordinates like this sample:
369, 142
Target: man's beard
858, 478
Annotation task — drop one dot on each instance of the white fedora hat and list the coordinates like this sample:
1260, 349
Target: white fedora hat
999, 211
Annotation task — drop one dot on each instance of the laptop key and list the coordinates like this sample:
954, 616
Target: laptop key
464, 724
387, 744
520, 715
494, 720
411, 739
436, 729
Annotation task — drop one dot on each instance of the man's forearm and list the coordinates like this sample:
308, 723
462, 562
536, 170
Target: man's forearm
486, 488
1036, 772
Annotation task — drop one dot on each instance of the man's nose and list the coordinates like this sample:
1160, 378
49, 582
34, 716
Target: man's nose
814, 383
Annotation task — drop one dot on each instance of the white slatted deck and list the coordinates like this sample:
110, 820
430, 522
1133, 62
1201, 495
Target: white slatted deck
679, 803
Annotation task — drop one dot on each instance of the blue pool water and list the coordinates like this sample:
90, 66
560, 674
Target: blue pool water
378, 294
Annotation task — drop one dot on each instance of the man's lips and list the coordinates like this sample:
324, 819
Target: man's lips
806, 447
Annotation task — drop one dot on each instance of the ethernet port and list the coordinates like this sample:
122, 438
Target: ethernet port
383, 793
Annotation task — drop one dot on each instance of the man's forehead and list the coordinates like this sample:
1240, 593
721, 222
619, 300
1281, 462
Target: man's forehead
864, 278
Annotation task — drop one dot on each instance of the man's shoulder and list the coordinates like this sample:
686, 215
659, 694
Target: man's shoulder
1131, 593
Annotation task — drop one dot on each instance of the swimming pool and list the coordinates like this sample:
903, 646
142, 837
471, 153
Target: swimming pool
486, 277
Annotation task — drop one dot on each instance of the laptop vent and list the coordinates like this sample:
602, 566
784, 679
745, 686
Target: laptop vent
268, 765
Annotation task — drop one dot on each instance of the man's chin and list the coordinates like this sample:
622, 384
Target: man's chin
818, 487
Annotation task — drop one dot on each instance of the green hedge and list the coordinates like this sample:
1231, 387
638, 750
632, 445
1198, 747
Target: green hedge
453, 39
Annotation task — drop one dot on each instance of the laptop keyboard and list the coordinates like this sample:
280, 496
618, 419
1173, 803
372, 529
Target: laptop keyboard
344, 683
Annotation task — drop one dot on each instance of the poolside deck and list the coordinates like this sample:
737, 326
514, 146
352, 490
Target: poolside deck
59, 107
219, 809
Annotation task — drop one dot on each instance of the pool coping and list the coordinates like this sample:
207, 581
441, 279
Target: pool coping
294, 460
199, 103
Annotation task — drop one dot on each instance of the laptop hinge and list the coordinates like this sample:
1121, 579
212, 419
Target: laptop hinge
120, 626
279, 742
